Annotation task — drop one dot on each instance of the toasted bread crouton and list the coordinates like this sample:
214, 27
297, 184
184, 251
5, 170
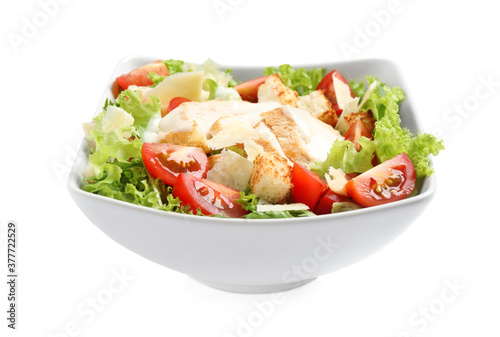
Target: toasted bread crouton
271, 177
193, 137
319, 106
365, 116
286, 131
273, 90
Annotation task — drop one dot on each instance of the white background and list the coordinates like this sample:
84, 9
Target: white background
52, 79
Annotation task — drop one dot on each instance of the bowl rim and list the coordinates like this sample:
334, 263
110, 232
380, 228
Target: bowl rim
75, 178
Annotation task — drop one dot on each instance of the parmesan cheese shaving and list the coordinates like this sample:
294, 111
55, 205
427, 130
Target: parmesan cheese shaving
335, 178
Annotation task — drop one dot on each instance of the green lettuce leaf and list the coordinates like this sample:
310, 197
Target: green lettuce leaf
343, 155
131, 101
212, 86
390, 137
383, 99
392, 140
130, 182
126, 181
248, 201
301, 80
174, 66
232, 82
113, 146
155, 78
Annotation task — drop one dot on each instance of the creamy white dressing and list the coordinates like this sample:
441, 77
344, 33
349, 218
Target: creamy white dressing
205, 114
226, 94
252, 111
187, 126
296, 115
317, 136
267, 134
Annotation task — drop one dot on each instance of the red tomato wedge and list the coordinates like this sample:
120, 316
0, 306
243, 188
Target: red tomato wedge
328, 88
326, 202
115, 89
308, 187
390, 181
248, 90
210, 197
167, 161
175, 102
140, 77
355, 132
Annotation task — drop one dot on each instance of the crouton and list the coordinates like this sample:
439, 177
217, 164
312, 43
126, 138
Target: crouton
318, 106
193, 137
365, 116
286, 131
271, 178
273, 90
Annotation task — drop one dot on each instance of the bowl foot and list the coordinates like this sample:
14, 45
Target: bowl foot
258, 289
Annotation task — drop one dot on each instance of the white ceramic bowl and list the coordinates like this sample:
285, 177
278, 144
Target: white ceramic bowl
255, 256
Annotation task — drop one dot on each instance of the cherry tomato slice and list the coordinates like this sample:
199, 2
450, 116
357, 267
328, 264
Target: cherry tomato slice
175, 102
355, 132
167, 161
248, 90
140, 77
390, 181
210, 197
308, 187
328, 88
326, 202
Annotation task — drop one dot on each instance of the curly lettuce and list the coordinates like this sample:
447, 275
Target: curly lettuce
131, 183
115, 159
390, 137
140, 107
301, 80
344, 156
